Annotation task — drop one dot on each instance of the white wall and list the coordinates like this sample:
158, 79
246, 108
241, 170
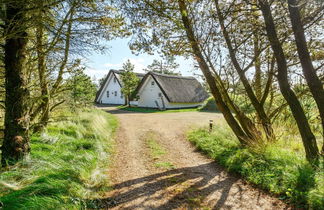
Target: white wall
111, 86
150, 93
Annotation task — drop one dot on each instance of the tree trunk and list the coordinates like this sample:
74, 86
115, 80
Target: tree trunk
308, 138
313, 81
246, 123
257, 66
264, 119
44, 104
16, 140
240, 134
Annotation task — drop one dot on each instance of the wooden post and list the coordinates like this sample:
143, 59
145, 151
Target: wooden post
210, 125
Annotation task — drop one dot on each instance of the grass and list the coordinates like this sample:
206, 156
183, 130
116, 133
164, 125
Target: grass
276, 168
157, 152
67, 165
151, 110
166, 165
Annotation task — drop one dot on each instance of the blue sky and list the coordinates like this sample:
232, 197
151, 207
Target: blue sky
99, 64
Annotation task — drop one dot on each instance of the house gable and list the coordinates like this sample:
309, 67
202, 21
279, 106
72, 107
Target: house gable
170, 91
110, 92
151, 95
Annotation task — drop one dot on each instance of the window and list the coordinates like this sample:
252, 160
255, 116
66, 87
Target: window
108, 94
121, 95
115, 93
152, 83
115, 79
160, 94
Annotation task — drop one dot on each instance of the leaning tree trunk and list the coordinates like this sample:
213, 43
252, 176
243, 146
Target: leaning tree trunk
264, 119
240, 134
313, 81
16, 140
308, 138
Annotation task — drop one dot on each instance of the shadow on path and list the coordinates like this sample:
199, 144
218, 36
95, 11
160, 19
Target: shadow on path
189, 186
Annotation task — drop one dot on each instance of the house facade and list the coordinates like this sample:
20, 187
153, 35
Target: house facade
154, 91
170, 92
110, 92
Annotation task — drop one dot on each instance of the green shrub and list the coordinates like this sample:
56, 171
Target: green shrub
275, 168
209, 105
66, 165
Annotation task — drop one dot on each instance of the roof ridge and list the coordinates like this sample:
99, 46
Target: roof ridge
120, 71
172, 76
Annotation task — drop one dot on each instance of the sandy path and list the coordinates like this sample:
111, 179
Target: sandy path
195, 182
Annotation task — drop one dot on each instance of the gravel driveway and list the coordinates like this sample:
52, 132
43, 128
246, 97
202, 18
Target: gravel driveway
191, 181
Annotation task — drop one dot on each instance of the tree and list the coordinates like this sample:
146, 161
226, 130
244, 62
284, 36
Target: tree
58, 36
82, 90
264, 119
129, 80
167, 66
308, 138
38, 40
313, 80
16, 135
190, 35
236, 59
101, 81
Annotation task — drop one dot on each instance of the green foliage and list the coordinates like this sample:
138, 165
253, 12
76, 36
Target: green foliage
82, 90
67, 165
129, 79
311, 112
165, 66
276, 168
209, 105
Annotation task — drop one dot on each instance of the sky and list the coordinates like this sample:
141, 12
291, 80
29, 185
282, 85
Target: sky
98, 65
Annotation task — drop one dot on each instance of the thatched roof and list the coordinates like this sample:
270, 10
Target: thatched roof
178, 89
117, 75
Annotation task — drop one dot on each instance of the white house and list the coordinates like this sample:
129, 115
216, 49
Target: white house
170, 92
110, 90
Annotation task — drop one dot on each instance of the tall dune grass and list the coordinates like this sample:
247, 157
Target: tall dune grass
67, 165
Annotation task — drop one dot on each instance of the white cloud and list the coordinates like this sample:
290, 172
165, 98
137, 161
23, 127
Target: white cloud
138, 63
98, 73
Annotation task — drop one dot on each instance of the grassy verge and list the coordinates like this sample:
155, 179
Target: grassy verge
150, 110
67, 165
157, 152
279, 168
